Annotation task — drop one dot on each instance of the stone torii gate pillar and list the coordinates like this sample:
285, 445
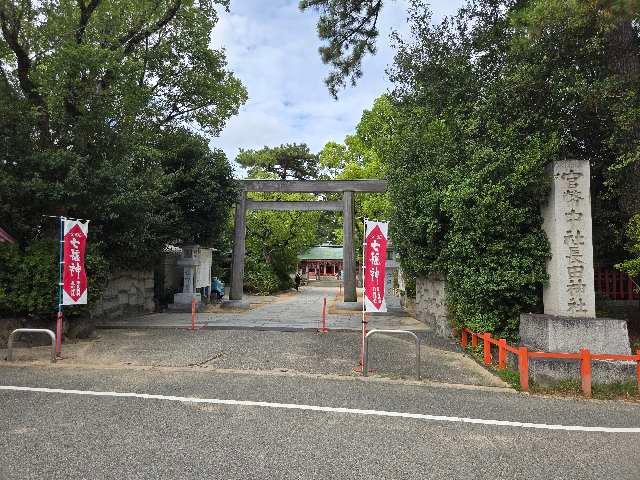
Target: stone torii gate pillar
237, 260
348, 256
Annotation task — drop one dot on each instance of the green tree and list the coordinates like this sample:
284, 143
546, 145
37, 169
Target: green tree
288, 161
358, 158
632, 265
349, 28
201, 190
95, 100
274, 241
483, 102
95, 92
90, 67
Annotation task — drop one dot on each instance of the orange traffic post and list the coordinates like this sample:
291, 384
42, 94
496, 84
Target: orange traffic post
523, 368
585, 371
502, 353
474, 340
487, 348
638, 369
463, 340
323, 328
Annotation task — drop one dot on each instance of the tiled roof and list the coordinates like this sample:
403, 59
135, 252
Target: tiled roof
323, 252
5, 237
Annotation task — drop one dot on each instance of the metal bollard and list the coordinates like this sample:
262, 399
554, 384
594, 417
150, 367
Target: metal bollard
31, 330
365, 366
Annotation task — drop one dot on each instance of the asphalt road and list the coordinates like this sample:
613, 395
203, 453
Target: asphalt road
76, 436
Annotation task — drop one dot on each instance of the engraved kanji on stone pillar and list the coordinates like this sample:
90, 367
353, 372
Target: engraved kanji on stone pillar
567, 223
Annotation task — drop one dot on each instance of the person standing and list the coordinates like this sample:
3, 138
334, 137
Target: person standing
297, 281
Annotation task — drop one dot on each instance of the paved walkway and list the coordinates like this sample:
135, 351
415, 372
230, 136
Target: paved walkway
290, 312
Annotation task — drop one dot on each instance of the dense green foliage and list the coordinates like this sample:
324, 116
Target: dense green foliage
632, 266
276, 238
274, 241
483, 102
28, 280
290, 161
96, 99
358, 158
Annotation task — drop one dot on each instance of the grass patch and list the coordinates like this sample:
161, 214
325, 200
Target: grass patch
626, 390
569, 388
510, 377
572, 388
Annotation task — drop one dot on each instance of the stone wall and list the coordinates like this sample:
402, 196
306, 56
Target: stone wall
128, 293
430, 305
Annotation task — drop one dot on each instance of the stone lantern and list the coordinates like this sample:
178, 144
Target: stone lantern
189, 260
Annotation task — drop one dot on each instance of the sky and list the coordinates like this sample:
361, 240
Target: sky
272, 47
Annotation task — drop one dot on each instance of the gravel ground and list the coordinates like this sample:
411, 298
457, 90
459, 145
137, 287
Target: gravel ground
332, 353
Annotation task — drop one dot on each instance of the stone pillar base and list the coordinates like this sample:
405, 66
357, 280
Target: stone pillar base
182, 301
550, 333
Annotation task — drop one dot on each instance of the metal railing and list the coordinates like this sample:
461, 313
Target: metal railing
31, 330
365, 366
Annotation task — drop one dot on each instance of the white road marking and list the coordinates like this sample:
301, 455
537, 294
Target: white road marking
316, 408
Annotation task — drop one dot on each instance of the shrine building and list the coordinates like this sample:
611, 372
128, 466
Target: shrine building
324, 261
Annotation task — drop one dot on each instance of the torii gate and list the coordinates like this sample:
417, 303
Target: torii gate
346, 187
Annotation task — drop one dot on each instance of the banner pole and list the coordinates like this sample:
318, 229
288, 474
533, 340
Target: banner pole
364, 296
60, 306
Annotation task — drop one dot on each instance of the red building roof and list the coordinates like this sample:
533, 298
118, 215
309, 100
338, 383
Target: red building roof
5, 237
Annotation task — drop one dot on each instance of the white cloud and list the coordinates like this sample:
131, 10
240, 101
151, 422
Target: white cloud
273, 48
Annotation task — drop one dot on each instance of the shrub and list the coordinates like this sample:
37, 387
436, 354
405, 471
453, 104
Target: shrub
29, 278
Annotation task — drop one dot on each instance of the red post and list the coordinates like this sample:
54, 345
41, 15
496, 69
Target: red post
502, 353
638, 368
585, 371
324, 328
487, 348
523, 368
59, 333
364, 335
474, 340
463, 340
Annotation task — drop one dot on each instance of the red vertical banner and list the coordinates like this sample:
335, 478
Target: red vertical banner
74, 276
375, 259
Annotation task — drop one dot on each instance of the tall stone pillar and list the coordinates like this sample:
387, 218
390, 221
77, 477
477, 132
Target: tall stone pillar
348, 256
391, 269
569, 321
567, 223
237, 266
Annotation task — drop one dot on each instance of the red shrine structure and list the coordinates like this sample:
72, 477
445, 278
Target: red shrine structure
321, 261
